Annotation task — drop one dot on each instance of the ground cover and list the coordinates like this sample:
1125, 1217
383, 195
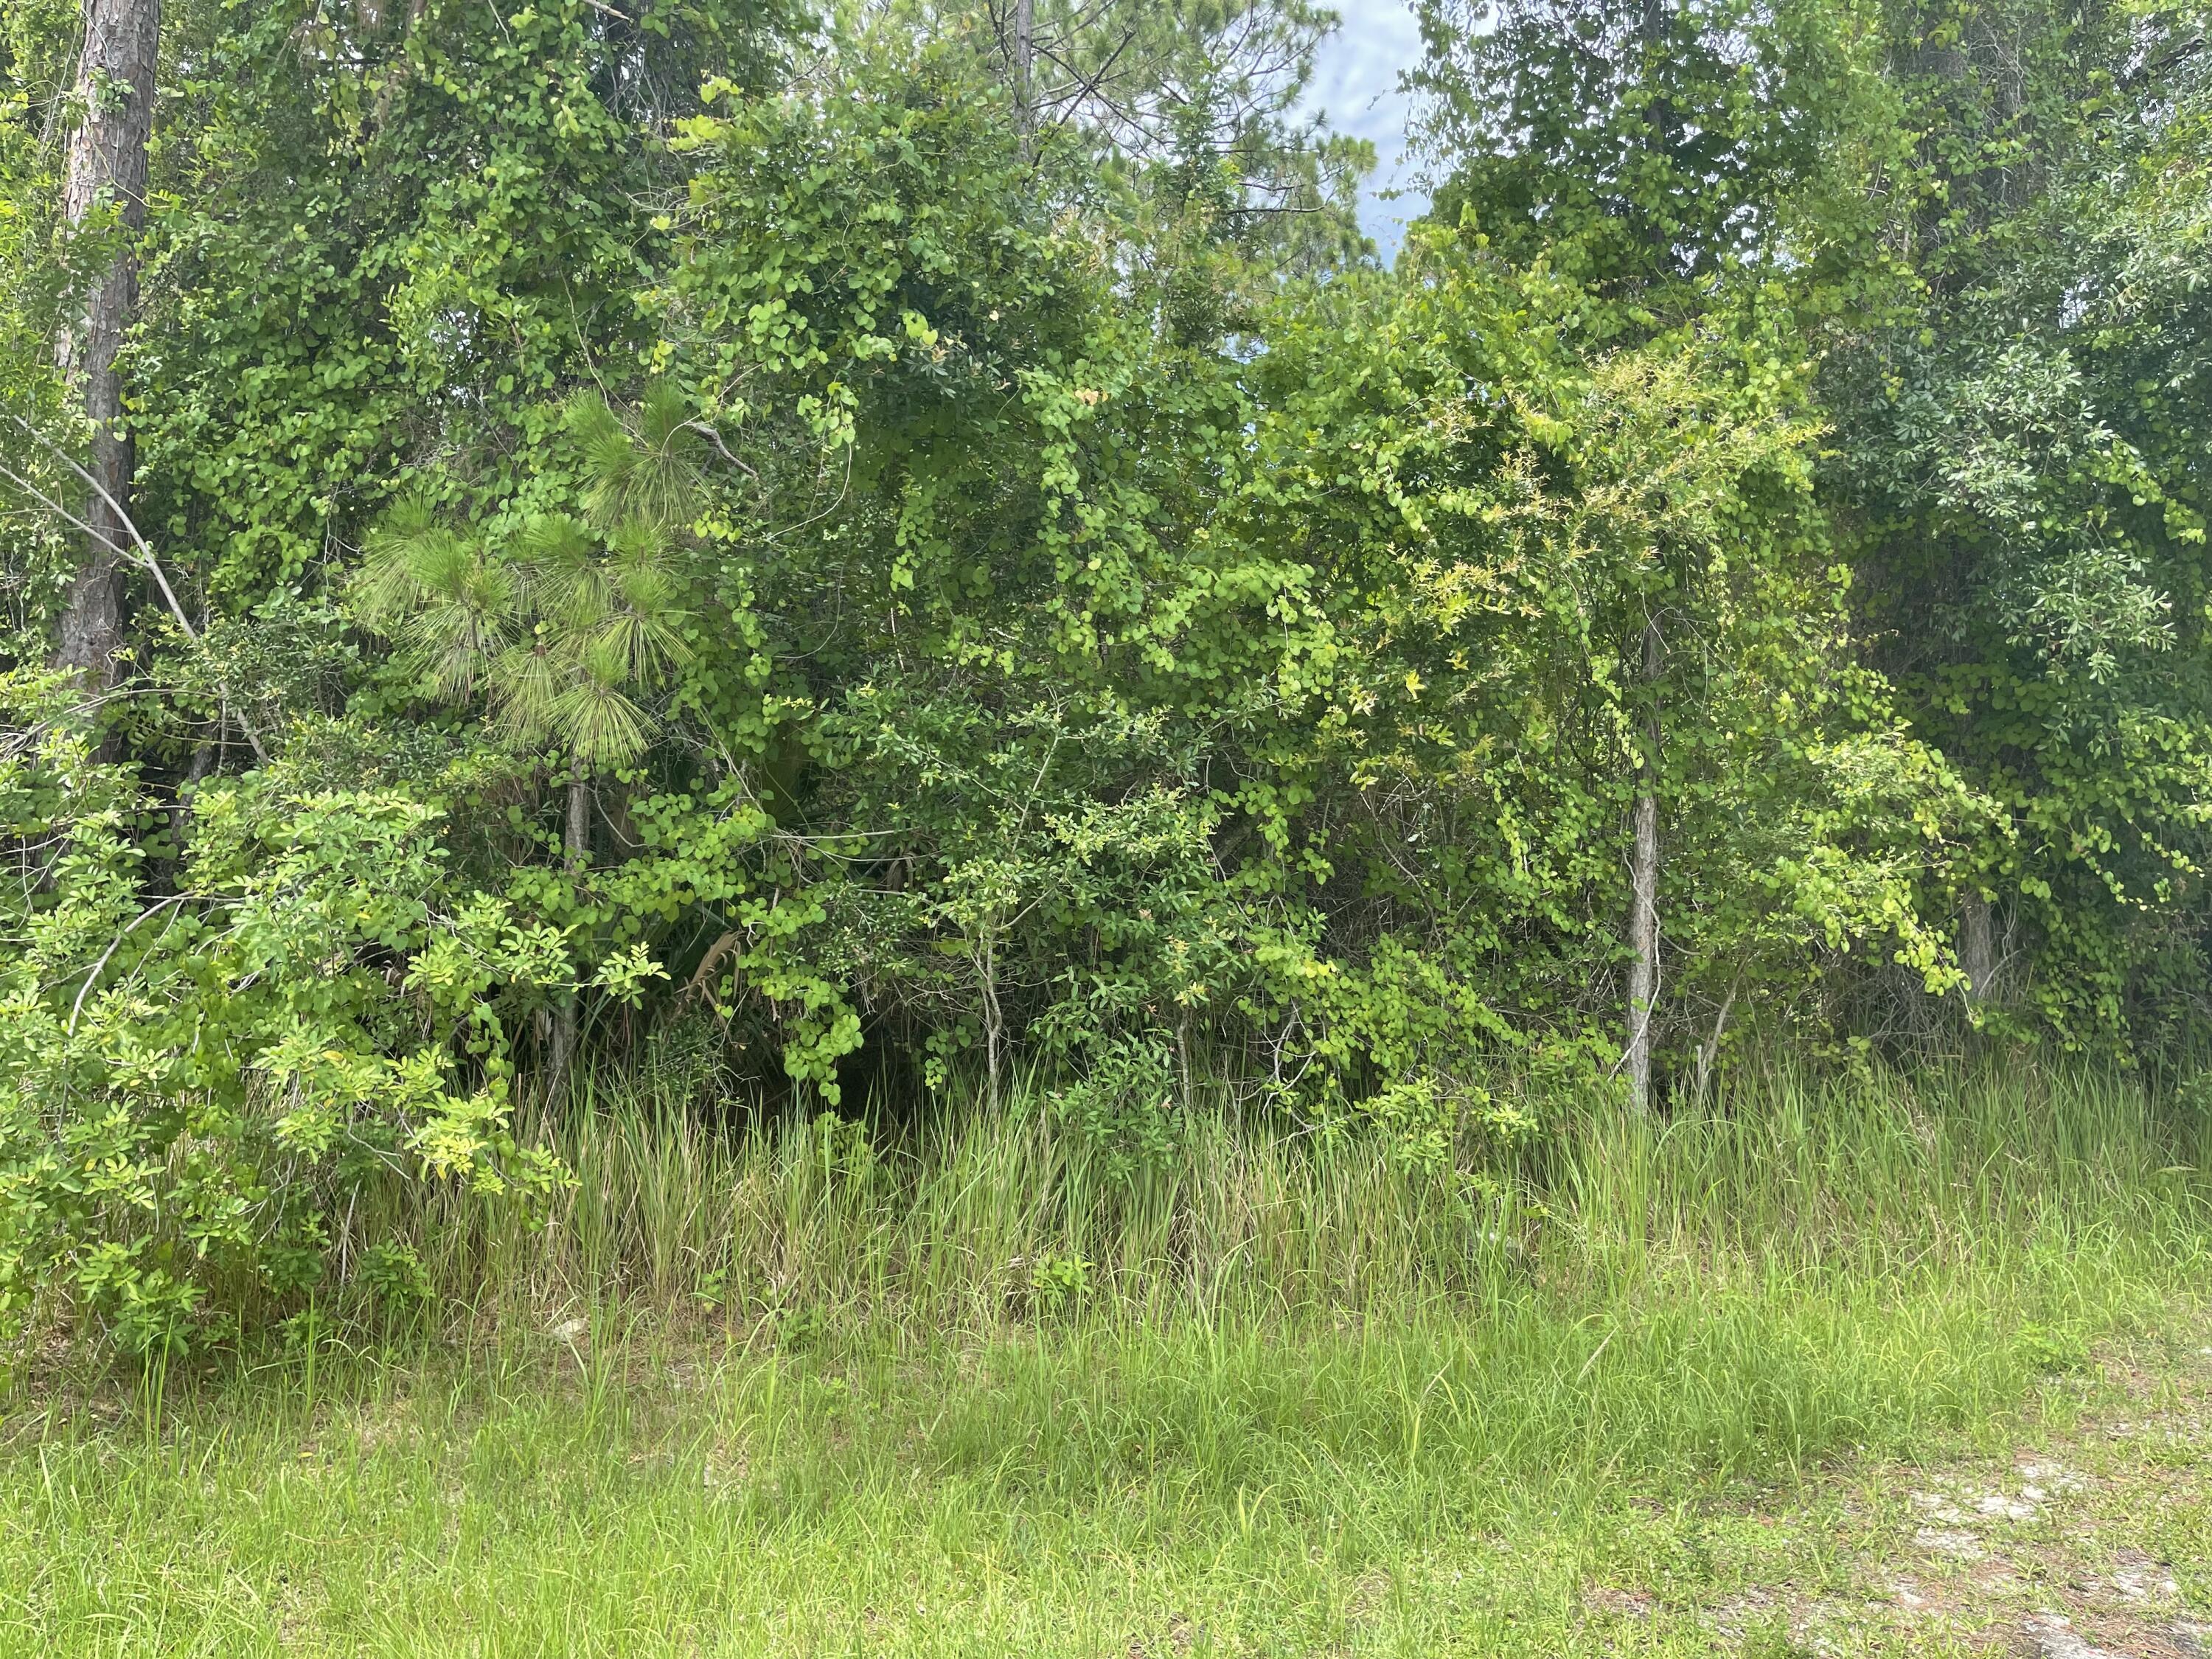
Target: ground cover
1709, 1395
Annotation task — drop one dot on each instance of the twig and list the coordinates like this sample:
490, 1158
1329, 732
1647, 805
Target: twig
1711, 1050
114, 944
715, 438
139, 549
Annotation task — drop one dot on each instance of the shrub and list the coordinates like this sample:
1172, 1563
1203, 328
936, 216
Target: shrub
203, 1068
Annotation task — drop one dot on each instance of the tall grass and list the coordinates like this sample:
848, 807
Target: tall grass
842, 1389
970, 1219
1801, 1264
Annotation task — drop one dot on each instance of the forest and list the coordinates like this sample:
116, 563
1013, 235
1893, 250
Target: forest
855, 560
822, 837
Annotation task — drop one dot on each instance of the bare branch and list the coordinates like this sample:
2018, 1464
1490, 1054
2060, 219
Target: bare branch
138, 550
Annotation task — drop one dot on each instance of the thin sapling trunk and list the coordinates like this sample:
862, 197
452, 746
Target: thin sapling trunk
578, 842
1643, 887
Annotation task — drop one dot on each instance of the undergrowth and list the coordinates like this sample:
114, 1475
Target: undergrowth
800, 1387
971, 1218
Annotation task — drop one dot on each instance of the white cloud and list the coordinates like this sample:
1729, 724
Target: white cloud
1356, 82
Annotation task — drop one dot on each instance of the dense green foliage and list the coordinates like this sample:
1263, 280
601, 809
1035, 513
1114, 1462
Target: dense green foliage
891, 560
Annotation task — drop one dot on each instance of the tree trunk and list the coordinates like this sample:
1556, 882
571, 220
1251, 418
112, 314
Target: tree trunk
1182, 1062
1977, 952
993, 1017
1710, 1053
1644, 856
1024, 56
578, 845
1643, 885
106, 164
1663, 134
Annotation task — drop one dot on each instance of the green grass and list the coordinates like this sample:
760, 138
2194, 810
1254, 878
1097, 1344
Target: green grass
1297, 1398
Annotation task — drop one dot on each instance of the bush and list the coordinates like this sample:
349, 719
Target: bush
207, 1067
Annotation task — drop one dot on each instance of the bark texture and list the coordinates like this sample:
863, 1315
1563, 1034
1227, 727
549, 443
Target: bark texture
1977, 949
106, 166
1024, 56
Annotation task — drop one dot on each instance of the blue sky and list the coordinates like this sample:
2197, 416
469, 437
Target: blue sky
1356, 81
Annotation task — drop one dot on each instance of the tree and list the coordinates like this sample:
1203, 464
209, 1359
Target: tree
1652, 150
563, 630
1638, 144
104, 192
2013, 469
